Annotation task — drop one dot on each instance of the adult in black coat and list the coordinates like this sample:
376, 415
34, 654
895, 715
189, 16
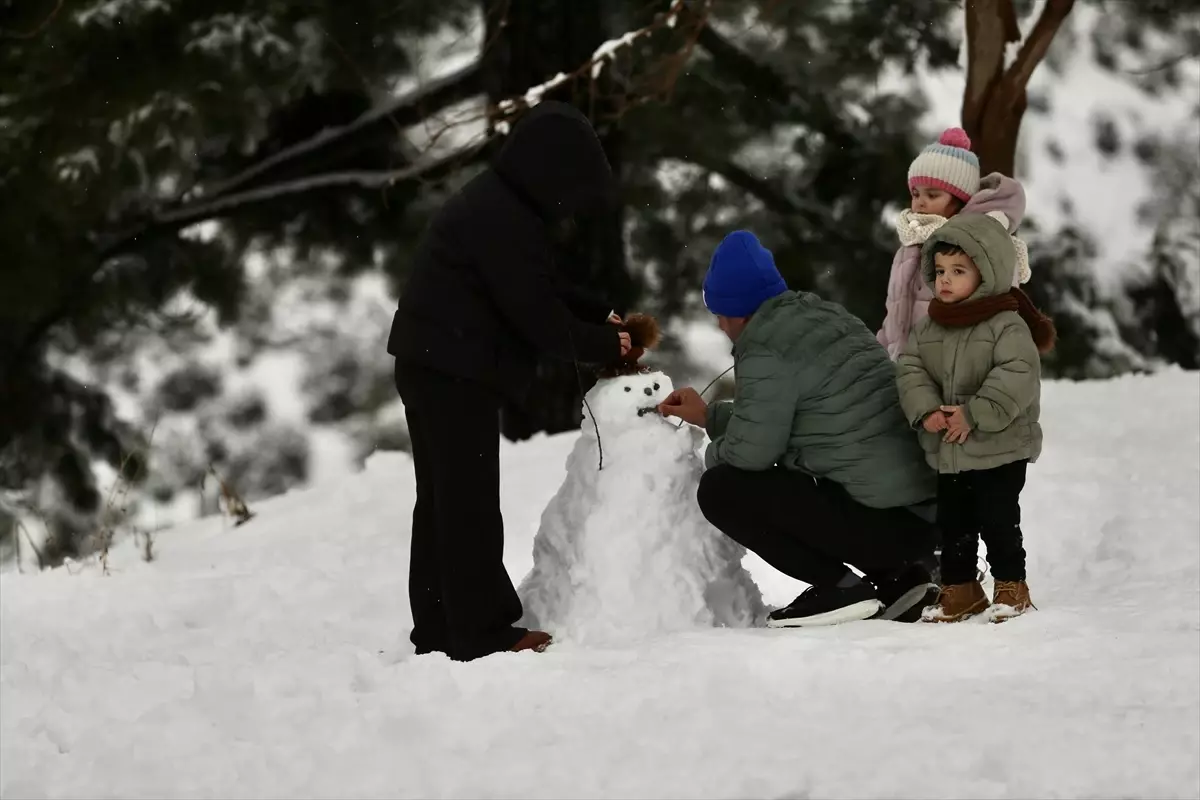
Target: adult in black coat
481, 303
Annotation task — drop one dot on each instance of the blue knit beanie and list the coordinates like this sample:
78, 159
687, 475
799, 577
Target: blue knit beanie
741, 276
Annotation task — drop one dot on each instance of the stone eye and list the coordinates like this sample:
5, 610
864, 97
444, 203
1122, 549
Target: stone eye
656, 387
629, 388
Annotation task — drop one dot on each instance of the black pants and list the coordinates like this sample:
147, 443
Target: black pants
982, 503
811, 529
463, 601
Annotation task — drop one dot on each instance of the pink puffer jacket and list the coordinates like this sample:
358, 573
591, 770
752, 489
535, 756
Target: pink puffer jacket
907, 295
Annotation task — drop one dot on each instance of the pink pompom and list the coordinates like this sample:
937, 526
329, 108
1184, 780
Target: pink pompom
955, 137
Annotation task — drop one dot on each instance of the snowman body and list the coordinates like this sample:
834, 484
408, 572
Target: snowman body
623, 551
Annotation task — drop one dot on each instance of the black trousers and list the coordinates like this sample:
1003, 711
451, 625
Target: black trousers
811, 529
983, 503
463, 601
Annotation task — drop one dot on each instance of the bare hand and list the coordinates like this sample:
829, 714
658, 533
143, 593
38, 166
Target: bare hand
625, 342
935, 422
687, 404
615, 319
957, 424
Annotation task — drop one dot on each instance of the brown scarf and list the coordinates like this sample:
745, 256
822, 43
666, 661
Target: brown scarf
972, 312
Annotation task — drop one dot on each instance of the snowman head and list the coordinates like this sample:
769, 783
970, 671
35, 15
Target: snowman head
625, 399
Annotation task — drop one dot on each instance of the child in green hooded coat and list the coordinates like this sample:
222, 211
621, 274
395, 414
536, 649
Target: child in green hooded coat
970, 383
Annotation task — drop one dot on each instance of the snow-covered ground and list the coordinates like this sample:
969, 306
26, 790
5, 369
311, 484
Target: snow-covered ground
271, 660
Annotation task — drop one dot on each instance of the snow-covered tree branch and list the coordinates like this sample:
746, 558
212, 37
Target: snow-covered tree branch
251, 187
593, 67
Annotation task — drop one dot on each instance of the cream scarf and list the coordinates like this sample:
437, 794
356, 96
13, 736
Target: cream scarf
915, 229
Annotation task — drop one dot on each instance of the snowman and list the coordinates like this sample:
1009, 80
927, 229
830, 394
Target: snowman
623, 551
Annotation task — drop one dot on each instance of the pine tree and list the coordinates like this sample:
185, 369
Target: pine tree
1166, 298
778, 125
1064, 286
282, 123
1106, 329
120, 122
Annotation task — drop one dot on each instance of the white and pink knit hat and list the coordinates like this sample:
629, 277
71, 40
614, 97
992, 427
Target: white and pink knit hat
947, 164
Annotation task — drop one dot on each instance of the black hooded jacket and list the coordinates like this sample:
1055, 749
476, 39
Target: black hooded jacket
482, 299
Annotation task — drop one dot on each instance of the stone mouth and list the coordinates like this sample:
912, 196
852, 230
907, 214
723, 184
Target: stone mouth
641, 412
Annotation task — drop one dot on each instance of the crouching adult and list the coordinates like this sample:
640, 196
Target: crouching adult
812, 465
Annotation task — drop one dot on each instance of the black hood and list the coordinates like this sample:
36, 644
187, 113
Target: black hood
554, 160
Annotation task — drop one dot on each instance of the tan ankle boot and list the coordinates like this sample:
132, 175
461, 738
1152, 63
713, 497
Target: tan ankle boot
537, 641
1011, 600
957, 602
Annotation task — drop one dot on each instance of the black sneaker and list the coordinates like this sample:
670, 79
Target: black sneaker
905, 593
827, 605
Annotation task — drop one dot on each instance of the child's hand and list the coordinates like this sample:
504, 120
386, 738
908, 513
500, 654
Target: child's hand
935, 421
957, 424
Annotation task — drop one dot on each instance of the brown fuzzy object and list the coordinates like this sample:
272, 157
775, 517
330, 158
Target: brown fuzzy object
644, 334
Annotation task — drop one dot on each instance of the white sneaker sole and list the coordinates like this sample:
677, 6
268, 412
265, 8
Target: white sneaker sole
855, 612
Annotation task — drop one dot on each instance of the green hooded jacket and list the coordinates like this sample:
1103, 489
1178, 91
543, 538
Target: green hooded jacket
991, 368
815, 392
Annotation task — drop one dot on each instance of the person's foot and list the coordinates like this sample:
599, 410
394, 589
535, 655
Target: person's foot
906, 593
957, 602
537, 641
827, 605
1011, 600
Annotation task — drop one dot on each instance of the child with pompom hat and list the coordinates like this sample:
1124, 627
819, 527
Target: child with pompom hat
943, 180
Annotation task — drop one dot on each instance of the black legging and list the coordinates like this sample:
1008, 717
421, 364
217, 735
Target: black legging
810, 529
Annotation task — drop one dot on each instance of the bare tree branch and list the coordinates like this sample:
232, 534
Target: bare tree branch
601, 55
994, 99
676, 63
991, 25
37, 28
1038, 42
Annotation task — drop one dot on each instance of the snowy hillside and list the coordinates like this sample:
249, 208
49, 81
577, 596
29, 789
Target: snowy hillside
272, 659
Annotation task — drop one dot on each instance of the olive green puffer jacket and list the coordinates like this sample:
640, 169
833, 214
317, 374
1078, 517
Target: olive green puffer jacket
815, 392
992, 368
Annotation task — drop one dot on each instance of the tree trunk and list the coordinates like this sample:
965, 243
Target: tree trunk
526, 43
994, 100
